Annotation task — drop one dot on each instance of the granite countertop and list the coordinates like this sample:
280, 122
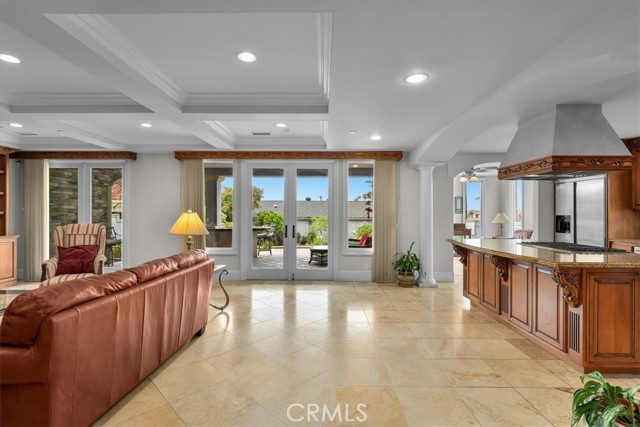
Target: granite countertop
511, 248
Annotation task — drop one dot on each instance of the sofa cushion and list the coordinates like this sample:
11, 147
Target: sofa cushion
22, 319
192, 257
152, 269
76, 259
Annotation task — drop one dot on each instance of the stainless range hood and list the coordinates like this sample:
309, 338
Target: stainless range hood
568, 141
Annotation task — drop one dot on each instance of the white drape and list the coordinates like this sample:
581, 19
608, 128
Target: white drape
384, 221
36, 217
192, 193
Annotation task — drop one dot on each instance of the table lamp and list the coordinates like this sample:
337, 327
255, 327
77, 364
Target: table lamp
189, 224
501, 219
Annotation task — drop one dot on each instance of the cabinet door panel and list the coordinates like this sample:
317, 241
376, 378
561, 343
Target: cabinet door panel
474, 265
614, 317
490, 284
549, 308
520, 295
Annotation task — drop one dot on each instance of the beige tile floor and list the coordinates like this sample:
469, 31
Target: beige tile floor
402, 357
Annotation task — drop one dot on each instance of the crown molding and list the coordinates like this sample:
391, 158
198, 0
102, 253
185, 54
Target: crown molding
255, 98
290, 155
221, 129
9, 139
324, 25
31, 99
324, 130
97, 29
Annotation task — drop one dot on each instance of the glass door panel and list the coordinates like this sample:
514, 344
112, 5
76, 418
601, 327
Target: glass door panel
106, 209
268, 226
312, 219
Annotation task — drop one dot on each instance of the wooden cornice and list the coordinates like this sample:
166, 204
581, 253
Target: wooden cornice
551, 164
75, 155
289, 155
6, 150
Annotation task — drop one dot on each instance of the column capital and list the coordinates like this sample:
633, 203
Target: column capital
427, 165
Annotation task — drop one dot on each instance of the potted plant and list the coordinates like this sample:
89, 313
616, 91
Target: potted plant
405, 264
601, 404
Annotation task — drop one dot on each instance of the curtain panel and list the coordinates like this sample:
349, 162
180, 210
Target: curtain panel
384, 221
36, 217
192, 194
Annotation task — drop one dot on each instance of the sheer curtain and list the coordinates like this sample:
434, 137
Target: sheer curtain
36, 217
384, 220
192, 194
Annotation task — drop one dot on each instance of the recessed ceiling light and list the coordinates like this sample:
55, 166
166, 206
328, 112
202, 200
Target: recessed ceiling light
146, 125
356, 166
281, 125
416, 78
246, 56
376, 137
352, 132
15, 125
10, 59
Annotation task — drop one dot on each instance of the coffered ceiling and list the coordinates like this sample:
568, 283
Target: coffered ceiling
93, 70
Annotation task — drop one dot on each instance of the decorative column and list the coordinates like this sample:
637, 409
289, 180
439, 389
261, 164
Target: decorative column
426, 279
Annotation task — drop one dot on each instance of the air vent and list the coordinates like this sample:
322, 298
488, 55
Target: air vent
574, 331
261, 133
26, 133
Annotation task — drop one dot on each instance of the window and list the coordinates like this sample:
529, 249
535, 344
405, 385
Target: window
360, 205
518, 208
473, 190
219, 202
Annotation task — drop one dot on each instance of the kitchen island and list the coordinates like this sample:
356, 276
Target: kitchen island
583, 308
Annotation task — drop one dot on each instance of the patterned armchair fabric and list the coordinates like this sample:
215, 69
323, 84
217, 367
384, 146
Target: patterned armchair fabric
522, 234
73, 235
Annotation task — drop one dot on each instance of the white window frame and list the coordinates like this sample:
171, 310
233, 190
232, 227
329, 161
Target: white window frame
345, 232
235, 238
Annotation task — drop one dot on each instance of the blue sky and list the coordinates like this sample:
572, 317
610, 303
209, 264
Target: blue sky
473, 195
315, 188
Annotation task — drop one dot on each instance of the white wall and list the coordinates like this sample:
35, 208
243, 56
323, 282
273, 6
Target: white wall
16, 209
154, 205
408, 209
458, 190
491, 205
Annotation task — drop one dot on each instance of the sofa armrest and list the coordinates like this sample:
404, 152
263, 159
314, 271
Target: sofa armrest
20, 365
98, 263
49, 268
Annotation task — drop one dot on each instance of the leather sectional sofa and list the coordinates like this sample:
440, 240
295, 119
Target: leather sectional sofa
69, 351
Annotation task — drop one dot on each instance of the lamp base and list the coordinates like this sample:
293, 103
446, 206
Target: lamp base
189, 242
501, 230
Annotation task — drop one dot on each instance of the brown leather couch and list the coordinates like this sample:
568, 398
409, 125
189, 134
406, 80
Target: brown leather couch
69, 351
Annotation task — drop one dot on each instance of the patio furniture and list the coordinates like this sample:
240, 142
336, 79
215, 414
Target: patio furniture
265, 239
364, 241
113, 239
319, 253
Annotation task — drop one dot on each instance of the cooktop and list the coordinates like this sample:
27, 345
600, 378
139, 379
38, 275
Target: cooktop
572, 247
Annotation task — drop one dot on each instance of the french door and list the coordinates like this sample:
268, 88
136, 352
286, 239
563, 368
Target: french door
289, 210
90, 192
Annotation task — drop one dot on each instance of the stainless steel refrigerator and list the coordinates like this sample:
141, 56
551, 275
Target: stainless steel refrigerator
580, 211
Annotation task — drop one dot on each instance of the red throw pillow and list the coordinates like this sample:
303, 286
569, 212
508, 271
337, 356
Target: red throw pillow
76, 259
363, 239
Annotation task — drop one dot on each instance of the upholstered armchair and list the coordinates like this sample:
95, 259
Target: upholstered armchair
82, 256
522, 234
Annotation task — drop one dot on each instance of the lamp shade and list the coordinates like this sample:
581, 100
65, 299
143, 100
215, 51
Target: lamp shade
189, 223
501, 218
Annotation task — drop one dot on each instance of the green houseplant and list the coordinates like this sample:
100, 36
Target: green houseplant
604, 405
405, 264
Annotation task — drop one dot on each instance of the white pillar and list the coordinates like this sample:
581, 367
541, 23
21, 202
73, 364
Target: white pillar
426, 279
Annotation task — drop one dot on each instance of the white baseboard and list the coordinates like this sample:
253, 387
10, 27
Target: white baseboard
443, 276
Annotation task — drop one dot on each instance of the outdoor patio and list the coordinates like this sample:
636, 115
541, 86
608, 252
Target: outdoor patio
274, 259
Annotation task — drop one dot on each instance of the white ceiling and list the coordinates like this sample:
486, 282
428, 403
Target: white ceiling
94, 70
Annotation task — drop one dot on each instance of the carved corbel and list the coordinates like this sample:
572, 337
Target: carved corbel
462, 252
502, 264
569, 281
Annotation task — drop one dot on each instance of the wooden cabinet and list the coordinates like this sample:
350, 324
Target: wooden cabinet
613, 312
625, 246
490, 290
520, 294
474, 266
8, 261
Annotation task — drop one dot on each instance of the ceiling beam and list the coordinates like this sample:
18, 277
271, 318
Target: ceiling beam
103, 155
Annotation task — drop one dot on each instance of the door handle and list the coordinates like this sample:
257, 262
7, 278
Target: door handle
293, 231
285, 231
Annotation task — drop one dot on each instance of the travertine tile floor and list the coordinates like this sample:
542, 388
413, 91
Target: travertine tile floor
416, 357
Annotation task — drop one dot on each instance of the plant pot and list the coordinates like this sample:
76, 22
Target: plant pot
405, 280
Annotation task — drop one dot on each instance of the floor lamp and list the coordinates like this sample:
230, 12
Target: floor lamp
189, 224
